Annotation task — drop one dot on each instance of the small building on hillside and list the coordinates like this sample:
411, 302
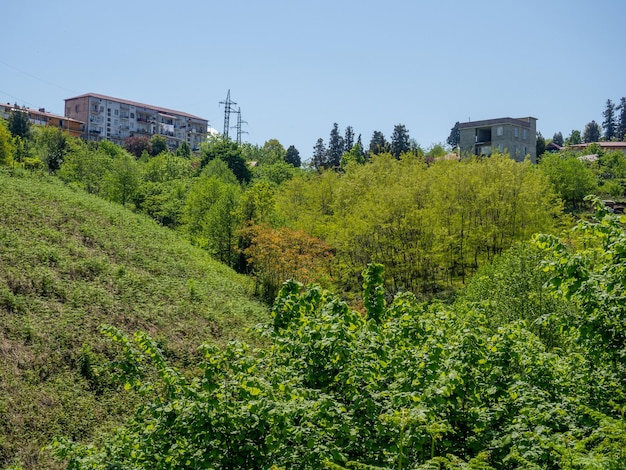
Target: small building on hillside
605, 146
515, 136
41, 117
553, 148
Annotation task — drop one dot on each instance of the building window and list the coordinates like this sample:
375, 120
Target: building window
117, 112
76, 108
499, 130
516, 132
500, 148
132, 115
524, 134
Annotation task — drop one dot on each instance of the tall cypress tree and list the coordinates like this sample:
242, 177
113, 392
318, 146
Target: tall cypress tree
320, 155
621, 121
335, 147
609, 124
400, 140
378, 144
348, 140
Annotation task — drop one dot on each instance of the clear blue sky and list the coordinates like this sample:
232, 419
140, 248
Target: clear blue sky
294, 68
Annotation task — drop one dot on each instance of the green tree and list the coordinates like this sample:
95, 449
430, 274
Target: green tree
574, 138
86, 167
455, 136
272, 152
219, 169
23, 149
122, 181
592, 132
320, 156
354, 155
166, 167
258, 204
348, 139
228, 151
621, 122
293, 157
212, 218
158, 144
335, 147
7, 148
52, 145
572, 179
513, 288
541, 145
19, 123
609, 124
184, 150
400, 142
378, 144
276, 173
436, 151
557, 138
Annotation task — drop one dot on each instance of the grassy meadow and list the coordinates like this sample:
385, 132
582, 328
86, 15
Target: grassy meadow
71, 262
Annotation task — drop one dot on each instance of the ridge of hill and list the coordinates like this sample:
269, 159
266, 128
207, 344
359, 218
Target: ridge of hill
70, 262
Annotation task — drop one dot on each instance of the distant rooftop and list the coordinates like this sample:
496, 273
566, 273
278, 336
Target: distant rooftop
135, 103
39, 112
523, 122
604, 145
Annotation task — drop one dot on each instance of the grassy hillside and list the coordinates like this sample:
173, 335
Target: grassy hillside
70, 262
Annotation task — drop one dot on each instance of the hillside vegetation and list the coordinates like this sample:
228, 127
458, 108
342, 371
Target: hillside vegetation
525, 371
70, 262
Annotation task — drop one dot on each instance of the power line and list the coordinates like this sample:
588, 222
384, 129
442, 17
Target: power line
37, 78
23, 102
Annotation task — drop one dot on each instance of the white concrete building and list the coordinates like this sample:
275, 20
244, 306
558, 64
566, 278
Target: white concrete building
116, 119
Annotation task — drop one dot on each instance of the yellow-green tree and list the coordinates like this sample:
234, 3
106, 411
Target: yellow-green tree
7, 148
431, 226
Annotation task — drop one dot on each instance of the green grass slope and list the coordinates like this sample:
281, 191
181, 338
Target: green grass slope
69, 263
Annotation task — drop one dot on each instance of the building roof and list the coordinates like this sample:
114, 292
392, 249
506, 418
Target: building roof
604, 145
553, 146
523, 122
39, 112
135, 103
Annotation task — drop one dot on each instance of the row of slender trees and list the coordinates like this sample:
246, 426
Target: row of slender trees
344, 149
612, 128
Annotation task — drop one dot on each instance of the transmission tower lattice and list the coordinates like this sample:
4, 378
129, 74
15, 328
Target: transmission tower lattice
238, 126
228, 108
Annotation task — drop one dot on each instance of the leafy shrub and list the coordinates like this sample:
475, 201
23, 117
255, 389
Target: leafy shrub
413, 386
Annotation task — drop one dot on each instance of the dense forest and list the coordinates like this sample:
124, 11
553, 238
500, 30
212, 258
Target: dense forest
425, 324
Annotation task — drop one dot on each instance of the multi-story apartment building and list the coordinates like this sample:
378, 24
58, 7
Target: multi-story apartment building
517, 137
41, 117
116, 119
